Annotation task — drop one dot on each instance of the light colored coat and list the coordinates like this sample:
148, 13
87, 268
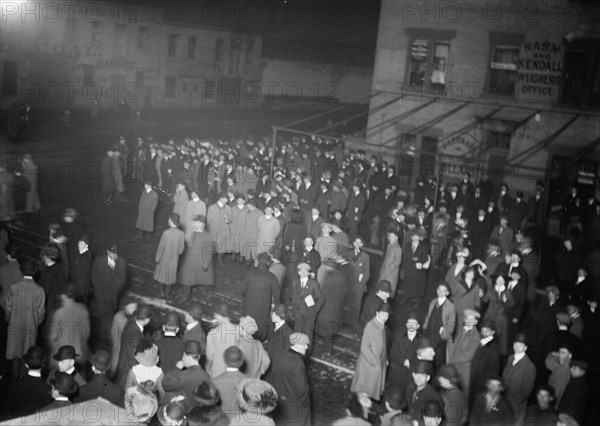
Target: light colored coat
25, 309
460, 353
70, 325
256, 358
218, 340
169, 249
218, 221
238, 223
390, 267
268, 231
371, 366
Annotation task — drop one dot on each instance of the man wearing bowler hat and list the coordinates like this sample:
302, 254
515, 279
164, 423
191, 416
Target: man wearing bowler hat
307, 301
28, 394
66, 364
187, 374
288, 377
519, 377
419, 391
63, 388
100, 385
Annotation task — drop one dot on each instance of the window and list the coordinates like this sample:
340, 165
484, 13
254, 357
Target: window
119, 39
142, 37
503, 70
210, 90
219, 50
581, 78
170, 87
427, 62
498, 140
172, 52
191, 47
140, 79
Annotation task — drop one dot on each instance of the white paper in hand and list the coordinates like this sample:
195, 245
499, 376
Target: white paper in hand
310, 302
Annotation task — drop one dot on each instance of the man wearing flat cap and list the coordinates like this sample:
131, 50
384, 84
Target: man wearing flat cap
462, 348
186, 376
288, 377
307, 301
100, 385
519, 377
109, 275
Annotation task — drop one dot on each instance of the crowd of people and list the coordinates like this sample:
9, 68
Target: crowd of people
501, 343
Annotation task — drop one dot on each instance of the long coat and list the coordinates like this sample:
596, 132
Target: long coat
250, 248
291, 383
256, 358
146, 209
415, 280
107, 285
129, 340
238, 223
498, 311
336, 286
485, 363
268, 231
30, 172
52, 279
193, 209
9, 274
461, 351
81, 274
519, 380
259, 290
218, 340
218, 220
70, 325
369, 376
277, 344
197, 267
465, 297
181, 200
169, 249
25, 310
390, 266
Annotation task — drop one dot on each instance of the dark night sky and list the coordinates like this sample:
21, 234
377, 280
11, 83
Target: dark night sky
337, 21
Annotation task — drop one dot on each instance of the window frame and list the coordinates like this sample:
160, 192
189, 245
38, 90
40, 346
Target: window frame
592, 46
432, 37
506, 40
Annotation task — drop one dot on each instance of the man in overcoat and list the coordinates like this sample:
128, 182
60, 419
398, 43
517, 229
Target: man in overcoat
146, 209
288, 377
519, 376
100, 385
109, 275
171, 246
390, 267
197, 267
369, 376
259, 291
132, 333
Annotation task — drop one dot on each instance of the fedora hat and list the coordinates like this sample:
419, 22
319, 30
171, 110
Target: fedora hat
65, 352
256, 396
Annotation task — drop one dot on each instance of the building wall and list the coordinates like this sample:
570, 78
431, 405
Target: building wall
539, 63
96, 55
317, 82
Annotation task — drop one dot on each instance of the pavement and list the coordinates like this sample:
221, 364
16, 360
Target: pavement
68, 156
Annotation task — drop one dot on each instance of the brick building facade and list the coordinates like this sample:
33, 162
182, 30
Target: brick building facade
508, 86
93, 55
